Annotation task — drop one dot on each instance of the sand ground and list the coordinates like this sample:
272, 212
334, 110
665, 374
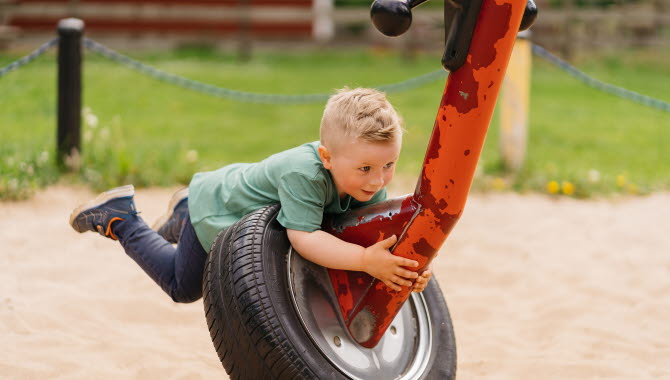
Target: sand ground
538, 288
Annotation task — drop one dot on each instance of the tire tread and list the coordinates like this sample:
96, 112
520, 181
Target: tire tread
250, 328
250, 324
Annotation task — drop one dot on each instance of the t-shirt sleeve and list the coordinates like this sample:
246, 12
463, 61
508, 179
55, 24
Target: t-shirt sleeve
302, 202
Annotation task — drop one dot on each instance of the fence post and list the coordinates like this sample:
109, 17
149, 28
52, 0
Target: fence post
68, 147
323, 28
514, 105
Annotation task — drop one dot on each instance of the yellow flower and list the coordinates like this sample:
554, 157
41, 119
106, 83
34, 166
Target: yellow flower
620, 180
568, 188
499, 183
552, 187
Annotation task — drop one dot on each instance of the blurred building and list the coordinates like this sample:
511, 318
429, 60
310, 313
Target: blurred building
169, 22
564, 26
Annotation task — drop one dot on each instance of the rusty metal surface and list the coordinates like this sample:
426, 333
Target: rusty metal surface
365, 227
465, 112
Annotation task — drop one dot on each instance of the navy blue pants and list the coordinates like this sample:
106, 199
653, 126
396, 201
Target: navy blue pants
178, 271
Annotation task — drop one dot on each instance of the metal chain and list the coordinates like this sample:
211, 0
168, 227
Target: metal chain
28, 58
605, 87
242, 96
320, 98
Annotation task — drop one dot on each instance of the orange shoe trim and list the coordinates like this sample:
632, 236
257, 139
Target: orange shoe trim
109, 228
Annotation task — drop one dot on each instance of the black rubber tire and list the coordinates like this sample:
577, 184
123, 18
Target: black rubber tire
255, 329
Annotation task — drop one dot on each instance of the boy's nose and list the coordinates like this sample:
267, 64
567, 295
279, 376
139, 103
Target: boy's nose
377, 181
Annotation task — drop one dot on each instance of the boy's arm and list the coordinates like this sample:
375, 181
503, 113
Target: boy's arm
329, 251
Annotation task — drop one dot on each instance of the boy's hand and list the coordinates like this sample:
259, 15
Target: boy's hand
378, 262
422, 281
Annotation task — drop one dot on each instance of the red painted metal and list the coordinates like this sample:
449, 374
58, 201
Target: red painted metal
465, 112
365, 227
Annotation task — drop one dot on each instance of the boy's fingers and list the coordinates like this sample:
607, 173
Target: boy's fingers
388, 243
407, 262
406, 273
393, 286
401, 281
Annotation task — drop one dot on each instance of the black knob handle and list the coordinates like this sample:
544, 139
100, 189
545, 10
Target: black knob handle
529, 15
391, 17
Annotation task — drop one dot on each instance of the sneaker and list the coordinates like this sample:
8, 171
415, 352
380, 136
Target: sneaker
169, 225
99, 214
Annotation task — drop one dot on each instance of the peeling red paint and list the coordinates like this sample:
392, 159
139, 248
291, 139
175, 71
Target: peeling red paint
422, 247
434, 144
490, 34
449, 165
367, 233
467, 84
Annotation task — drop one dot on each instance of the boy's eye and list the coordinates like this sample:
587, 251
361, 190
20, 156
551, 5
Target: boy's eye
364, 169
389, 165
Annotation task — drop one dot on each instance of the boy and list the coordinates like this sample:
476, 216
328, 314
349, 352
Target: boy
348, 168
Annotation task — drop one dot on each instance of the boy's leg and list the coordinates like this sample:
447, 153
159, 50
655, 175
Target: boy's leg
170, 224
178, 271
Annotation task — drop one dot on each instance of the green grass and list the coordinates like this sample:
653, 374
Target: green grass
153, 133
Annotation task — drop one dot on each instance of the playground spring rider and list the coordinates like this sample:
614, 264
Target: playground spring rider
272, 314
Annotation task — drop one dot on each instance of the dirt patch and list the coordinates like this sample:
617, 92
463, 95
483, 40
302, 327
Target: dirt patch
537, 287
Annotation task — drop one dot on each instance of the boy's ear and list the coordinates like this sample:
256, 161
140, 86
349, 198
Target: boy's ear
325, 156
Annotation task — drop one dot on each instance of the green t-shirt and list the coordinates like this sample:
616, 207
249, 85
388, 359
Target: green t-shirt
295, 178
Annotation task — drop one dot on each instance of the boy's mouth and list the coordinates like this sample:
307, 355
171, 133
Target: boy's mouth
369, 192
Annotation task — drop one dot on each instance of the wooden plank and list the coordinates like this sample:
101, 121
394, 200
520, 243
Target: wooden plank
169, 26
176, 12
232, 3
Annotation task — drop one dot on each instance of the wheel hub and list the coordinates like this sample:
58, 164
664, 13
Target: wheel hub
402, 353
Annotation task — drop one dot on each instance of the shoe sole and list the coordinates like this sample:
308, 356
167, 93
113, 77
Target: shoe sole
174, 201
117, 192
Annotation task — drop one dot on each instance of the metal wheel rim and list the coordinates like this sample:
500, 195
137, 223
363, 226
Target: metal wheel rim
402, 354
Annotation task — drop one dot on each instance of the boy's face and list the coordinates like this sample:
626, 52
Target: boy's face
360, 168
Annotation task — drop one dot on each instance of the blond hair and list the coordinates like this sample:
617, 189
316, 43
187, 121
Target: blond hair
360, 113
